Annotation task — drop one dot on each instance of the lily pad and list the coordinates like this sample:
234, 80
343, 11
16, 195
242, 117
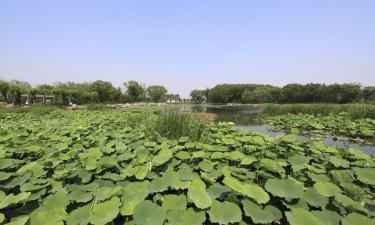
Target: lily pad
365, 175
105, 212
357, 219
199, 196
148, 213
259, 215
327, 189
285, 188
298, 216
224, 212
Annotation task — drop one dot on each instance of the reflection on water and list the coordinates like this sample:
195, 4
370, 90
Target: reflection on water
248, 117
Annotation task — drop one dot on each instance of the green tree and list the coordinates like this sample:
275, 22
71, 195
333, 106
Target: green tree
259, 95
4, 88
173, 97
15, 93
61, 96
157, 93
106, 92
44, 89
197, 96
369, 94
135, 90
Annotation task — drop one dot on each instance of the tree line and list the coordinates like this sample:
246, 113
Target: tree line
85, 93
133, 91
290, 93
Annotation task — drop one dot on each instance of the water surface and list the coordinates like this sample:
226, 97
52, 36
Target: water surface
248, 117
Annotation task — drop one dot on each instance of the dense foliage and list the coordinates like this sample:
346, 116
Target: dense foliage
84, 93
198, 96
291, 93
157, 93
331, 125
100, 167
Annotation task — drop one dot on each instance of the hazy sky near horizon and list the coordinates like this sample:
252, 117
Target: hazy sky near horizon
188, 44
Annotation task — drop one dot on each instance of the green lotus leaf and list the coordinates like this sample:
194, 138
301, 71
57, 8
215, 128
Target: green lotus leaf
298, 216
271, 165
327, 189
6, 163
183, 155
13, 199
21, 220
90, 163
134, 193
313, 198
328, 217
251, 190
190, 217
247, 160
349, 203
56, 201
357, 219
228, 140
285, 188
341, 176
225, 212
148, 213
107, 162
33, 148
259, 215
365, 175
257, 140
257, 193
298, 162
338, 162
48, 217
94, 153
198, 154
199, 196
319, 177
61, 146
246, 139
217, 190
105, 212
27, 167
2, 218
186, 217
174, 202
358, 153
79, 216
104, 193
80, 195
235, 184
163, 156
217, 155
4, 175
141, 172
236, 155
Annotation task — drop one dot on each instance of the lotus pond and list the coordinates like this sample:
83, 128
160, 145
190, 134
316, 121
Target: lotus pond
330, 125
113, 168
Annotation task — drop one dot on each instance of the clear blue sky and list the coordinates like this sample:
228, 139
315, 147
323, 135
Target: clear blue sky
188, 44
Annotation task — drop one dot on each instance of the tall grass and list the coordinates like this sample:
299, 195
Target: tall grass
355, 111
176, 125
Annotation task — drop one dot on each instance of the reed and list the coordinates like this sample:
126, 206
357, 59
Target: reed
176, 125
